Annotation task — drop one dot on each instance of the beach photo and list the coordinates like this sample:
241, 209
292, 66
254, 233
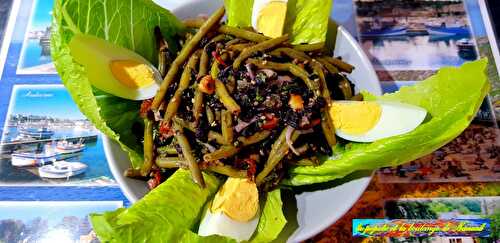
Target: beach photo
415, 34
35, 54
49, 221
46, 140
445, 208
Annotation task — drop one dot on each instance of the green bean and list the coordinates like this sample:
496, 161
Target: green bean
188, 155
318, 70
310, 47
210, 116
170, 162
278, 151
263, 46
358, 97
328, 128
133, 173
341, 65
184, 124
184, 54
217, 38
227, 126
216, 136
167, 149
227, 170
225, 98
164, 54
214, 70
346, 88
175, 102
197, 106
290, 67
204, 59
148, 147
234, 31
331, 69
233, 41
223, 152
254, 138
292, 53
239, 47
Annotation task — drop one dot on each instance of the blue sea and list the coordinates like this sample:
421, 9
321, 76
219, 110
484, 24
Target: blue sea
413, 52
32, 55
93, 156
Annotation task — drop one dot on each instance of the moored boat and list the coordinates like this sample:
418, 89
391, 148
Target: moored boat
65, 147
32, 159
62, 169
444, 30
40, 133
386, 31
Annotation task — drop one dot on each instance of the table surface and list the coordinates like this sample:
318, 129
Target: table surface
459, 180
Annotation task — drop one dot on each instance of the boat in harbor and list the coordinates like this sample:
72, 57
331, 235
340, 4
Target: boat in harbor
32, 159
65, 147
38, 133
444, 30
385, 31
62, 169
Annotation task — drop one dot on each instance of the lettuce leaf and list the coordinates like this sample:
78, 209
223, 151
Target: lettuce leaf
126, 23
166, 214
171, 211
272, 221
452, 97
306, 20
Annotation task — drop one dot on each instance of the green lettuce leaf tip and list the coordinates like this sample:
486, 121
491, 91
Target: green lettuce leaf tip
451, 97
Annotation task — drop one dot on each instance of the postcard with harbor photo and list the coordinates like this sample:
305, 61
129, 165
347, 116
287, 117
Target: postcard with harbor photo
35, 54
417, 35
50, 221
445, 208
47, 141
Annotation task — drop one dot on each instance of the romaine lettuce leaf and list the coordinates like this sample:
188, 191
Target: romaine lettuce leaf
306, 20
166, 214
171, 211
451, 97
272, 221
126, 23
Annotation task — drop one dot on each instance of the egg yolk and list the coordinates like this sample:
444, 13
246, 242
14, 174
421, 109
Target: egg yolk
272, 19
355, 117
238, 199
131, 73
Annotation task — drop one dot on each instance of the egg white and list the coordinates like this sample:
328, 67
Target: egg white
395, 119
220, 224
258, 5
96, 54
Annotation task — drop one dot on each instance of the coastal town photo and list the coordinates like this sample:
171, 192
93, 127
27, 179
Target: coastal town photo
46, 140
415, 34
35, 54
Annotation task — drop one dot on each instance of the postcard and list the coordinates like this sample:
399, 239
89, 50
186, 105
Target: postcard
35, 54
418, 36
46, 140
49, 221
8, 14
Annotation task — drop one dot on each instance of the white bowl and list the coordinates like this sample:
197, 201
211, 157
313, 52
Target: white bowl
314, 210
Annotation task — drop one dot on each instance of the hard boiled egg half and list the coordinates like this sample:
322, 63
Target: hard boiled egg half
234, 211
268, 17
368, 121
114, 69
